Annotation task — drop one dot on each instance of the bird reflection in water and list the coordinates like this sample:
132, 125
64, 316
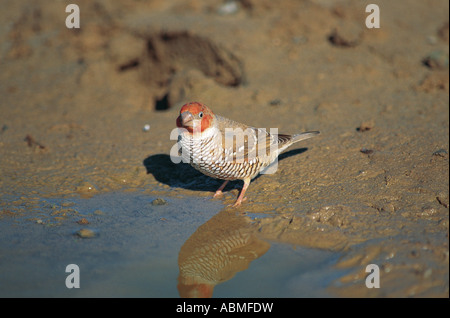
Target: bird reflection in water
216, 251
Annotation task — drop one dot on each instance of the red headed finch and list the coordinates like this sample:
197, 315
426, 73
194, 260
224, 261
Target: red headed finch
225, 149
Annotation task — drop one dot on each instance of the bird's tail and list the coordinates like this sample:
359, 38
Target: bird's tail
304, 135
285, 141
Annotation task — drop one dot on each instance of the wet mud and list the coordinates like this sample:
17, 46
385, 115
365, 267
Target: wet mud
88, 112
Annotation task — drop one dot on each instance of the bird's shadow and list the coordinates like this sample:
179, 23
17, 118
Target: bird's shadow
182, 175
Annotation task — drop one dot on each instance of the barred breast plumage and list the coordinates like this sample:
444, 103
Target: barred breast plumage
225, 149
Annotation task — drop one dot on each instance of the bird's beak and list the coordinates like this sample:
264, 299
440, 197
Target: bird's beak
187, 120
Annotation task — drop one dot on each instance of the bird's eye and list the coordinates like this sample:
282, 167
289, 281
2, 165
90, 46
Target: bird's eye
200, 114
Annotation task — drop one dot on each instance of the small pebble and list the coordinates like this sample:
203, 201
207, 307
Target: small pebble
366, 126
431, 39
428, 211
440, 153
347, 35
366, 151
86, 187
275, 102
159, 201
436, 60
146, 128
228, 7
86, 233
83, 221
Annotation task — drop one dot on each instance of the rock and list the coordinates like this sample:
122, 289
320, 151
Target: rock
159, 201
366, 151
83, 221
146, 128
366, 125
86, 188
86, 233
346, 35
435, 81
99, 212
229, 7
427, 211
441, 153
275, 102
436, 60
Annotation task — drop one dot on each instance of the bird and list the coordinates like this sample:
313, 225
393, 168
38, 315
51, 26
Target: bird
226, 149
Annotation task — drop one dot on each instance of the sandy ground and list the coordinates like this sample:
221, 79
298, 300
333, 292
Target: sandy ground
373, 186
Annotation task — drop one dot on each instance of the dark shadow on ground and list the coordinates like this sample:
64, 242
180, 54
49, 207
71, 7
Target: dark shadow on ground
182, 175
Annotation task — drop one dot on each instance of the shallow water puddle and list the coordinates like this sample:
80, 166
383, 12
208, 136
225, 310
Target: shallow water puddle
128, 247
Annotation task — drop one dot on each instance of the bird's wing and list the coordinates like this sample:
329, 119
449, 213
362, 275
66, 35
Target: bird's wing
244, 143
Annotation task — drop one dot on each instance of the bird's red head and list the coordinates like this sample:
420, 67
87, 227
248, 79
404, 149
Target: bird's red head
195, 117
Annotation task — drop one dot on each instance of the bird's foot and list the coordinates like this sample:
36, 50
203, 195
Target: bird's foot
218, 193
237, 203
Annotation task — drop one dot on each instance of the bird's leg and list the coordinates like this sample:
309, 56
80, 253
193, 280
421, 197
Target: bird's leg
219, 191
241, 195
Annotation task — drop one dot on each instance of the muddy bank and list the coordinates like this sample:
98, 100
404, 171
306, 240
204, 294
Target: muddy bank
373, 186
